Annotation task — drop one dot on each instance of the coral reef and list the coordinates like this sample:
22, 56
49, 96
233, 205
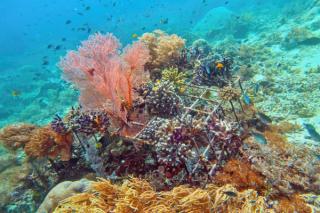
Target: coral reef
289, 170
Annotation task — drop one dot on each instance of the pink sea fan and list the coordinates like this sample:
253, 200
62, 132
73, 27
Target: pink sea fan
104, 77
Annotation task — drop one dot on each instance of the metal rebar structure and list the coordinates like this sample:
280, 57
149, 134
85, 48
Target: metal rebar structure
215, 107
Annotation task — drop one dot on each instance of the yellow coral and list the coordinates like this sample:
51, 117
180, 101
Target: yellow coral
164, 49
136, 195
177, 78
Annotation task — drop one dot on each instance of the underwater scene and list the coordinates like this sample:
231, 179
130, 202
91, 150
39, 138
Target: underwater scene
158, 106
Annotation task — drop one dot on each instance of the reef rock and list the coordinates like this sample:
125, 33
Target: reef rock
62, 191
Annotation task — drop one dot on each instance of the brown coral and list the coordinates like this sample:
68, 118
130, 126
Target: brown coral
241, 175
46, 143
164, 49
16, 136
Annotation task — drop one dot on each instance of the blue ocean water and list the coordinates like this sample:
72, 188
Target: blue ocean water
274, 46
35, 34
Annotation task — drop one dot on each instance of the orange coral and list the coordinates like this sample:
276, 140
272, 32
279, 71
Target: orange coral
46, 143
276, 139
16, 136
241, 175
293, 204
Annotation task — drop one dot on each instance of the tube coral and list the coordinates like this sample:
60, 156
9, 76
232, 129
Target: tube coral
104, 77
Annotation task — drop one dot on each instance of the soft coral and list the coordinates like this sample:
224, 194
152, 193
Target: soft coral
104, 77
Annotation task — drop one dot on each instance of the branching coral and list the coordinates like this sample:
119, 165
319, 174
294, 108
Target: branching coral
177, 78
164, 49
162, 100
137, 195
16, 136
105, 78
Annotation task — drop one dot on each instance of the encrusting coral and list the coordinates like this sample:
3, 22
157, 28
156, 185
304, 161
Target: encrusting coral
16, 136
136, 195
62, 191
165, 50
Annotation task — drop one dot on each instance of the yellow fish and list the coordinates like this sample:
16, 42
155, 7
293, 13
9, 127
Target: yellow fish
134, 35
15, 93
98, 145
219, 66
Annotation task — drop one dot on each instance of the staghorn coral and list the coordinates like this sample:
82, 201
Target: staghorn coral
164, 49
16, 136
136, 195
106, 79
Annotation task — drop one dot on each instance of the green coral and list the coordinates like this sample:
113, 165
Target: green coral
177, 78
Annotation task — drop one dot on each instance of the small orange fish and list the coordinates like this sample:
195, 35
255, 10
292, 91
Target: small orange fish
219, 66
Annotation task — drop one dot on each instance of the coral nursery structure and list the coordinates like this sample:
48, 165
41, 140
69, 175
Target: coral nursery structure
188, 139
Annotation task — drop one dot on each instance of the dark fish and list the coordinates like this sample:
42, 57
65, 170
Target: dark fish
230, 193
87, 8
164, 21
49, 46
80, 14
58, 47
259, 138
114, 4
264, 118
143, 28
63, 39
89, 30
68, 22
312, 132
45, 63
226, 2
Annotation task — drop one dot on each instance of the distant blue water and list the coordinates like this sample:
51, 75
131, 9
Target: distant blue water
28, 66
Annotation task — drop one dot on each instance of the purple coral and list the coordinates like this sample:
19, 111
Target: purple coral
59, 126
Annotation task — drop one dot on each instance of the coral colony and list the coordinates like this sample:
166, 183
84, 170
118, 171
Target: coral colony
165, 128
